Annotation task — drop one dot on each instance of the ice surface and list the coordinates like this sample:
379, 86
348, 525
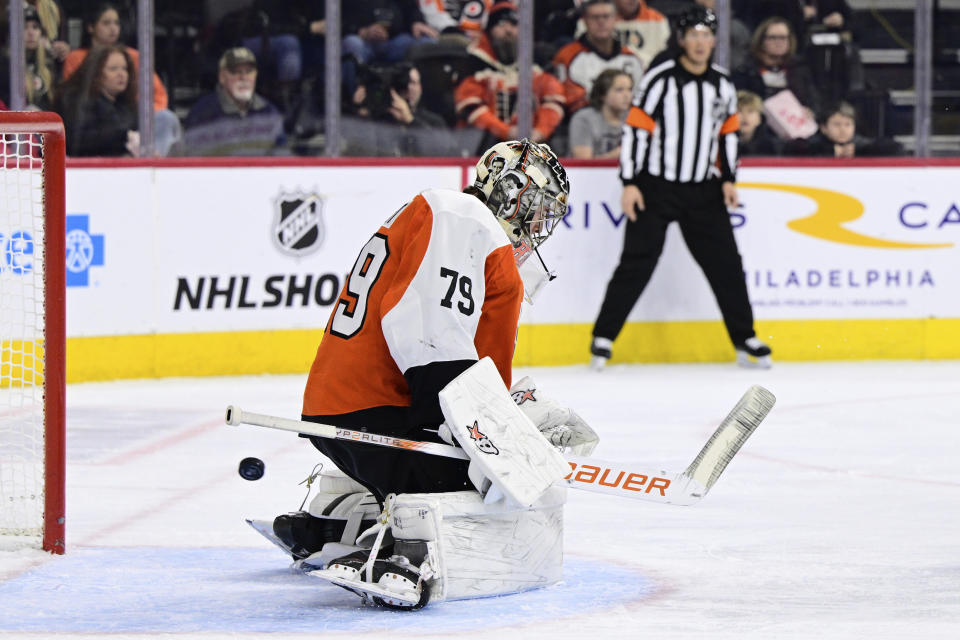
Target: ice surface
840, 518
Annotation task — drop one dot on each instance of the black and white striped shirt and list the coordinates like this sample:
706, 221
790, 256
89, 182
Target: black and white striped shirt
681, 127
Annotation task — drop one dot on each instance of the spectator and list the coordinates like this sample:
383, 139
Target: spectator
595, 131
756, 138
405, 94
103, 30
402, 126
559, 21
99, 105
39, 72
278, 32
234, 120
832, 50
456, 17
578, 63
643, 30
486, 100
53, 25
773, 66
832, 14
755, 12
838, 137
381, 31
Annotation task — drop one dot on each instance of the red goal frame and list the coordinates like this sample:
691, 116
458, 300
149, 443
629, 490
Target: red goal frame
50, 127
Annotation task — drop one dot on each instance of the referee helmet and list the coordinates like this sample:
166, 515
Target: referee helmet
696, 16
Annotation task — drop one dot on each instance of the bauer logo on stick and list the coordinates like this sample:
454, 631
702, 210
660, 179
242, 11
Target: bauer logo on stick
483, 442
298, 227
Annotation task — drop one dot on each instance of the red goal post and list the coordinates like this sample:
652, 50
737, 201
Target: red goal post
32, 331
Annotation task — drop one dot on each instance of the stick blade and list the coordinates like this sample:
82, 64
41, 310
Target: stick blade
727, 440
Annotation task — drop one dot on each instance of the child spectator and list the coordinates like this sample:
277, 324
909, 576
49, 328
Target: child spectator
233, 119
103, 30
838, 137
756, 138
578, 63
487, 99
596, 130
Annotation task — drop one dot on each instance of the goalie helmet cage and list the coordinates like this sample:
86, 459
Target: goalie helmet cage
32, 331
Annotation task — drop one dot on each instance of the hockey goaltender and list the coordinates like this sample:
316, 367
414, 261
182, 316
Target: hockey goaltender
419, 347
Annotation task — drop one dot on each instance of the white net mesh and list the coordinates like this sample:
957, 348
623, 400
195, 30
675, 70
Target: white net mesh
22, 325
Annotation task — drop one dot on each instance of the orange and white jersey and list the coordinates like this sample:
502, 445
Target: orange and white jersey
435, 289
578, 64
466, 15
488, 99
647, 33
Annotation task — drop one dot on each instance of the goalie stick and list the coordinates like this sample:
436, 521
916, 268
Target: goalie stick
622, 479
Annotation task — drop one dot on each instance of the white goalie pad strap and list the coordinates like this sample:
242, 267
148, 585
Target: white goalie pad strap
337, 482
477, 549
333, 484
499, 439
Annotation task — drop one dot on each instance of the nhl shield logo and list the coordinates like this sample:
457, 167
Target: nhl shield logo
298, 227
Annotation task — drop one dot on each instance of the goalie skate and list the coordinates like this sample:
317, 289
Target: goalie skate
265, 528
396, 583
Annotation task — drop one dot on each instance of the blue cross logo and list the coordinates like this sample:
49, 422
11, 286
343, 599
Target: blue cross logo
83, 250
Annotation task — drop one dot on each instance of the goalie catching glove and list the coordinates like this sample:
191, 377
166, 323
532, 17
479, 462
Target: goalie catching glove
561, 426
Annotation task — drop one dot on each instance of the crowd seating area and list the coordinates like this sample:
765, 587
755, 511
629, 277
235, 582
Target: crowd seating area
438, 77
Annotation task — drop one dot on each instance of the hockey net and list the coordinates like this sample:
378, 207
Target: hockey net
32, 335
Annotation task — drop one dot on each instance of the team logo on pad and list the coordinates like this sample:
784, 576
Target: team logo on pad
482, 441
522, 395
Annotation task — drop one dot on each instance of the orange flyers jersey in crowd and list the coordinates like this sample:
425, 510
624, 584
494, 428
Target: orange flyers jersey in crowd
436, 283
467, 15
578, 63
646, 33
488, 99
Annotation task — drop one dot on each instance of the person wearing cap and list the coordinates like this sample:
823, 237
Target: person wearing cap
487, 99
234, 119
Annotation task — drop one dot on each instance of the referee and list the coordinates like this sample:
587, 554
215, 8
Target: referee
678, 162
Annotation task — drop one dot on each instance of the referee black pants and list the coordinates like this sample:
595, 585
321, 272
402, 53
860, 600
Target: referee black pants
705, 224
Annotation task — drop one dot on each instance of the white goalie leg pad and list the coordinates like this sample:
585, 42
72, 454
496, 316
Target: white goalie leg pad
474, 549
499, 439
331, 485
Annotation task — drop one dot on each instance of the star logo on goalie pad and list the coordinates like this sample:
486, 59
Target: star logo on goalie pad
522, 395
482, 441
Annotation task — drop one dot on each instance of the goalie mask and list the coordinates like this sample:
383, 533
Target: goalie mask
526, 188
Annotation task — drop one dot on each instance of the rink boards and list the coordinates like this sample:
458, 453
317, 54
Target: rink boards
232, 267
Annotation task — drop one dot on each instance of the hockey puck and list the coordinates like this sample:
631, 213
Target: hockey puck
251, 469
